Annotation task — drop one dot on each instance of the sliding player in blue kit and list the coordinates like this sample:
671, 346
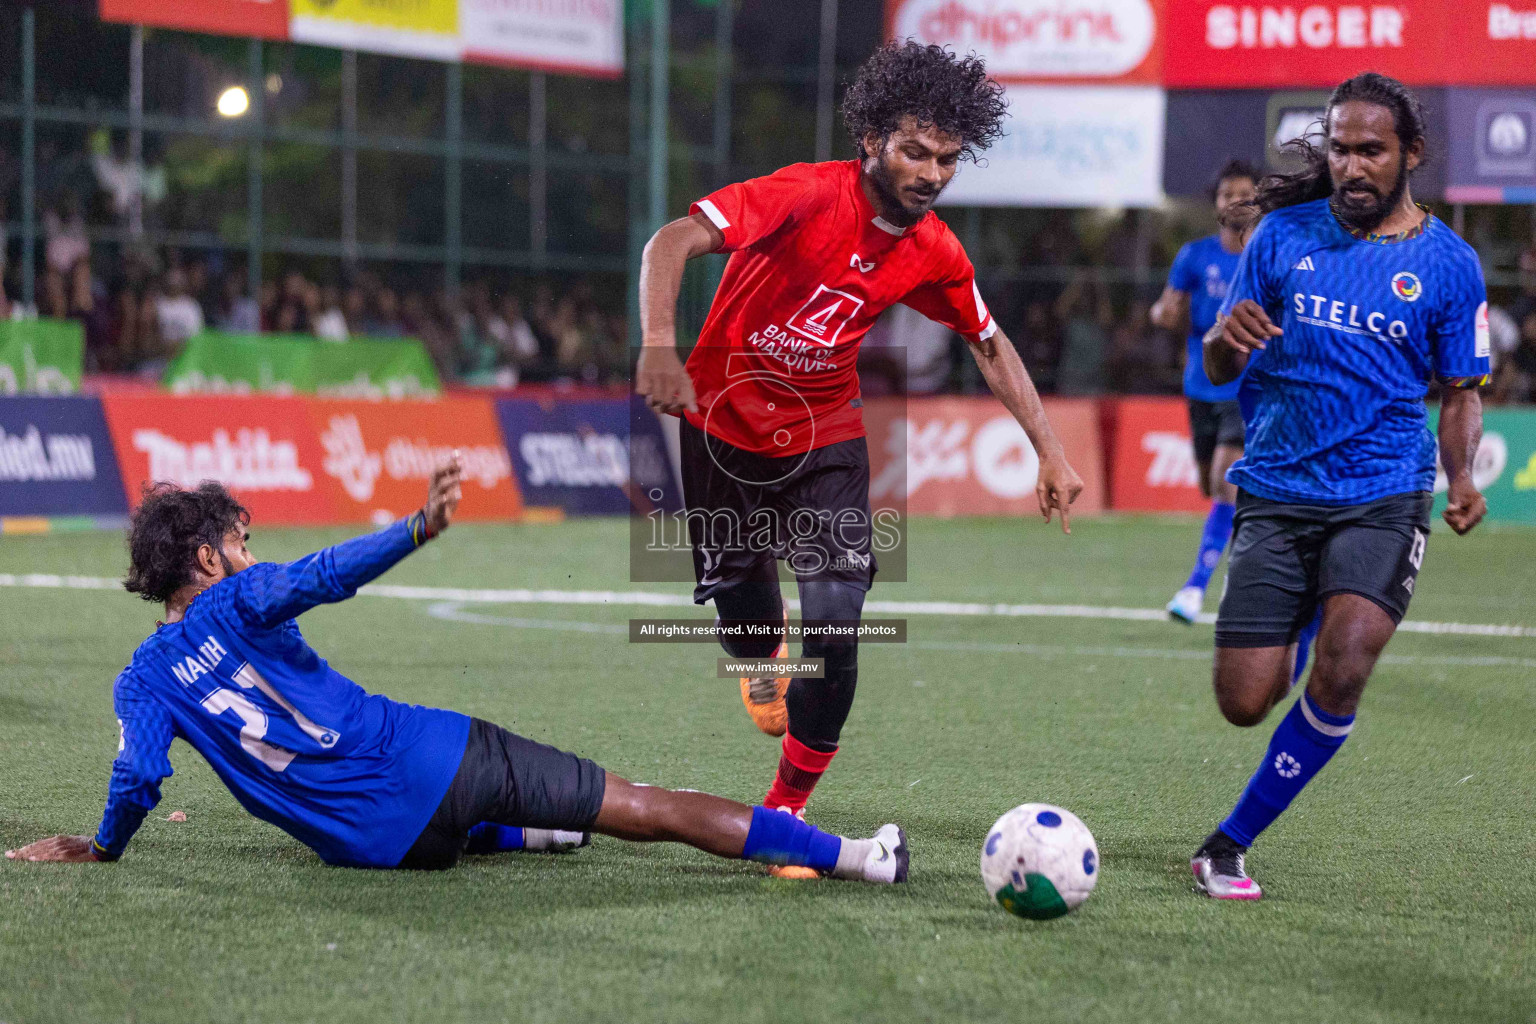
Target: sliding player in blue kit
362, 780
1348, 301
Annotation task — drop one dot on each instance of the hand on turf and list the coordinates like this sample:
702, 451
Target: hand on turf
66, 849
1465, 506
1057, 487
1247, 328
663, 381
443, 495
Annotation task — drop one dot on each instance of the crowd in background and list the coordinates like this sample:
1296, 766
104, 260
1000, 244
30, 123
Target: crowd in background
1082, 337
138, 312
139, 304
1080, 323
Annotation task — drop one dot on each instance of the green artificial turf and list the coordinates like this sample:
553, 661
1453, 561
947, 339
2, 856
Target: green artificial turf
1399, 887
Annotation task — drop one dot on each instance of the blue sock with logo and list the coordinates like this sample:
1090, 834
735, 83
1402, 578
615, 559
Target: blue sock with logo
1213, 541
1304, 645
488, 837
776, 837
1303, 742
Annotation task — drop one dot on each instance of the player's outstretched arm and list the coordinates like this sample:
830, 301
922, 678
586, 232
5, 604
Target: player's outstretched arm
1233, 338
1461, 431
660, 377
1058, 484
269, 594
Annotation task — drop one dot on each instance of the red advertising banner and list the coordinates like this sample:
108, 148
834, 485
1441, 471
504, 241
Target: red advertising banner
265, 19
262, 449
1221, 44
1078, 41
968, 456
313, 461
1152, 460
378, 456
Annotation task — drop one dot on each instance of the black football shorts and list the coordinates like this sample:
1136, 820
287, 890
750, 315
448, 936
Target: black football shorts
745, 510
510, 780
1212, 424
1287, 558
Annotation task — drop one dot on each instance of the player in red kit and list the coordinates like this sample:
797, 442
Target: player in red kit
775, 464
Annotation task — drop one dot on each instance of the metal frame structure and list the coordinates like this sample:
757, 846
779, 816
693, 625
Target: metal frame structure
252, 128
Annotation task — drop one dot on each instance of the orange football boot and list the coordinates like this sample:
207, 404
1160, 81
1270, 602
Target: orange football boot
764, 697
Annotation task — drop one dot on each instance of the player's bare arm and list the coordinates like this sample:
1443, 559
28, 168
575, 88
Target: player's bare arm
1461, 430
1235, 337
660, 377
1171, 310
1058, 484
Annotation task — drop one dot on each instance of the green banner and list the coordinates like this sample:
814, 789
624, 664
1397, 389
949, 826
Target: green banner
216, 363
1505, 468
41, 357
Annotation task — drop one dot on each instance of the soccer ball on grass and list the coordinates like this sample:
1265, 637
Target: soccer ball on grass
1039, 861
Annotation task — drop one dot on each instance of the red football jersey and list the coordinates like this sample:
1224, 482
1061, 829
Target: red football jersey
812, 265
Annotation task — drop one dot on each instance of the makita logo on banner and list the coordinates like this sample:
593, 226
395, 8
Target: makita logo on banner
249, 461
35, 456
1315, 26
1037, 38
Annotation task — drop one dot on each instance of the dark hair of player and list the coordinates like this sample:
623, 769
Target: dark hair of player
1235, 168
1313, 180
166, 530
931, 85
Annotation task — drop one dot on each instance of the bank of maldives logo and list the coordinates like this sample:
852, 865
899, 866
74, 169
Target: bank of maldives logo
1407, 286
1067, 38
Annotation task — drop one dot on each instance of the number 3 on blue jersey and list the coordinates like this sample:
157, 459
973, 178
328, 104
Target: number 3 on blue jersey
254, 730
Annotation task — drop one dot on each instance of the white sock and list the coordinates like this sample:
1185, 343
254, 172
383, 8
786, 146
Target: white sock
851, 857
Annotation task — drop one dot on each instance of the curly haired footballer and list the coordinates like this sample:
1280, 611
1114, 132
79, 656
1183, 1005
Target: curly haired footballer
931, 85
817, 252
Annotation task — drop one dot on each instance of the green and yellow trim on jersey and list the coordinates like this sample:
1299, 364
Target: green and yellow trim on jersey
1376, 238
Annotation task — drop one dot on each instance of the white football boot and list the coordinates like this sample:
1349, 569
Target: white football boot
1186, 604
882, 860
1219, 870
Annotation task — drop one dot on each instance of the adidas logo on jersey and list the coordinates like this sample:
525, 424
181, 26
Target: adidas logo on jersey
1305, 264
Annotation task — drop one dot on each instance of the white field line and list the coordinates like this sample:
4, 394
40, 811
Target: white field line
654, 599
454, 611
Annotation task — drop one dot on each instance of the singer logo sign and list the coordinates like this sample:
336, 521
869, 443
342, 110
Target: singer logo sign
1306, 44
1104, 40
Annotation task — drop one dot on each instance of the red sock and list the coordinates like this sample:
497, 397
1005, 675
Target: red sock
800, 768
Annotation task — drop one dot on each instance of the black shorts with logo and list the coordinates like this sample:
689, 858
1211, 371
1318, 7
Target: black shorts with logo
746, 510
1212, 424
1287, 558
510, 780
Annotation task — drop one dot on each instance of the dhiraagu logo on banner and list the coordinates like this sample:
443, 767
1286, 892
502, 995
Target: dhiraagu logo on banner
416, 28
1505, 467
